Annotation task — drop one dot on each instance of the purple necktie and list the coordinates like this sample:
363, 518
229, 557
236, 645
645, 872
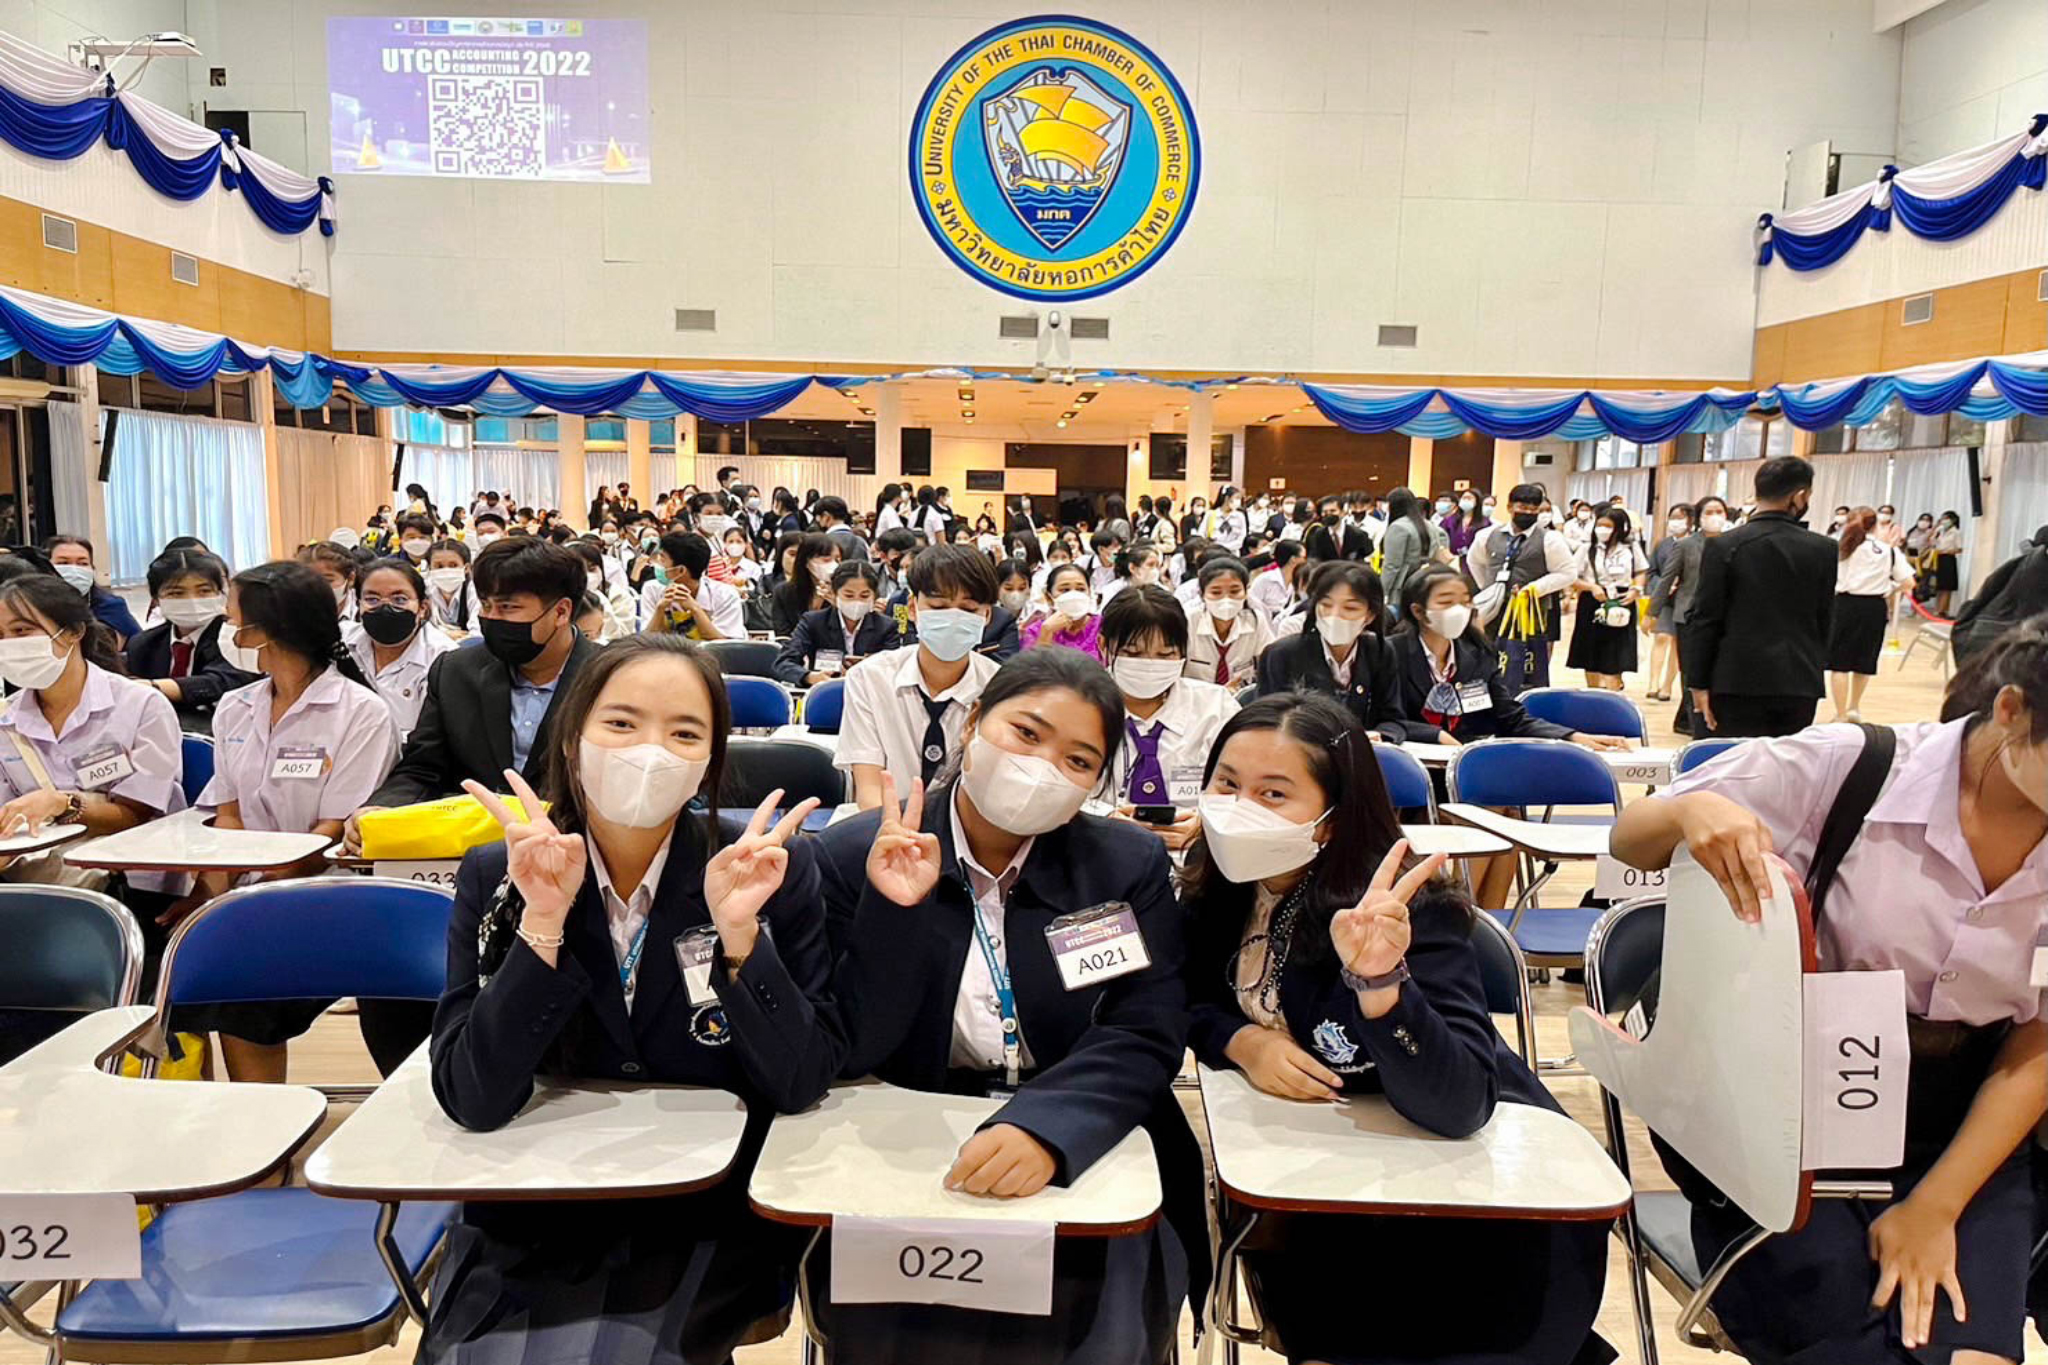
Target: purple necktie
1148, 783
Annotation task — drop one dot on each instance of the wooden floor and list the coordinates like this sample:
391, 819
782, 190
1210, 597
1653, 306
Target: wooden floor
333, 1052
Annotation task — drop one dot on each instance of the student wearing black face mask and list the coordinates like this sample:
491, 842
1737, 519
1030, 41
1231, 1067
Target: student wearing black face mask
388, 641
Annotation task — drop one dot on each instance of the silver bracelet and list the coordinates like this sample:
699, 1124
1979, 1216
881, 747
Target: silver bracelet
533, 940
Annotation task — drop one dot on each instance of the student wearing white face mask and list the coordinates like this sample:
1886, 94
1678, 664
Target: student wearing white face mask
565, 950
1073, 622
449, 591
72, 558
620, 607
948, 914
1169, 720
1340, 651
1611, 570
336, 566
1662, 621
1226, 632
180, 656
829, 641
1137, 567
1323, 961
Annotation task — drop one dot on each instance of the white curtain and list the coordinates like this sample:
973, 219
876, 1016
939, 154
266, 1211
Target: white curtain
446, 473
1937, 481
799, 474
1854, 480
1588, 485
607, 467
1738, 481
2022, 497
72, 457
186, 476
534, 477
1684, 484
1633, 487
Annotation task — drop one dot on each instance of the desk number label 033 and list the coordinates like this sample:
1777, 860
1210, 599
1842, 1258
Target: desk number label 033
964, 1263
438, 871
1856, 1070
1097, 945
69, 1237
1615, 880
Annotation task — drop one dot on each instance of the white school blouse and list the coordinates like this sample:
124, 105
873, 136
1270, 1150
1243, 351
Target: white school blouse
1872, 569
348, 723
1193, 714
403, 682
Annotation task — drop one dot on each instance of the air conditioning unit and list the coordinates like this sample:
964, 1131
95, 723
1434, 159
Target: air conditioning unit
2041, 288
1538, 457
60, 234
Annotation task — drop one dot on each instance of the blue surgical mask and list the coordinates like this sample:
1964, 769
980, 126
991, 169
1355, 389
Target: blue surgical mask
950, 633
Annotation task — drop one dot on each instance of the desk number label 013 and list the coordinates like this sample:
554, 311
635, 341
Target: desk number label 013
1856, 1070
1096, 945
69, 1237
1615, 880
964, 1263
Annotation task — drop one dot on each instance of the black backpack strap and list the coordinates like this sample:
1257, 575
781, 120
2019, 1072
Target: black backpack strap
1858, 793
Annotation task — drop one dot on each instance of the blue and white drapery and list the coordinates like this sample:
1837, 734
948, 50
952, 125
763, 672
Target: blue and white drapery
186, 476
55, 111
1643, 416
1940, 201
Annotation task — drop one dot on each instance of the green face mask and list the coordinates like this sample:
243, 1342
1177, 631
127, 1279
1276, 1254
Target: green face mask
661, 575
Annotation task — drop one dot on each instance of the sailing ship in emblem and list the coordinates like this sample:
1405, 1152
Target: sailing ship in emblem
1056, 142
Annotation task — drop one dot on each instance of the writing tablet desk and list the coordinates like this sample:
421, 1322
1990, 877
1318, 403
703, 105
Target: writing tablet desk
184, 842
49, 836
1453, 841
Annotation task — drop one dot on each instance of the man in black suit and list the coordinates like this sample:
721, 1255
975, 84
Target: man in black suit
1755, 646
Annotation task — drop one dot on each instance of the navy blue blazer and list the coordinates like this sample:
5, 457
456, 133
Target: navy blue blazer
149, 656
823, 629
1436, 1055
779, 1042
1475, 661
1373, 696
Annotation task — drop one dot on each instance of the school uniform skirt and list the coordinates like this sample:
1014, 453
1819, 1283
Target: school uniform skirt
1856, 637
1601, 649
1945, 573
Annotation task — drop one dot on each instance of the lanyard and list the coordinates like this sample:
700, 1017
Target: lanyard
1006, 999
632, 962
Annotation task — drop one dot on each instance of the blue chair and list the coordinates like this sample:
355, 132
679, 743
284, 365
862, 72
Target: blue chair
758, 703
1408, 785
755, 767
280, 1274
1589, 710
823, 707
1700, 751
469, 642
196, 752
744, 658
1504, 975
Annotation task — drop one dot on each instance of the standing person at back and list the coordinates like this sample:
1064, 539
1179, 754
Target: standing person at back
1518, 571
1412, 540
1755, 642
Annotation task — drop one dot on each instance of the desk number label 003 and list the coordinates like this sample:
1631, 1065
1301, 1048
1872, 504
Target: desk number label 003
1615, 880
69, 1237
964, 1263
1856, 1070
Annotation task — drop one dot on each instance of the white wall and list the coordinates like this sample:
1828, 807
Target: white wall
1561, 188
1970, 71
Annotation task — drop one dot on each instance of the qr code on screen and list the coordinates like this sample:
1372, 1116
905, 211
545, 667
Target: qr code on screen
486, 125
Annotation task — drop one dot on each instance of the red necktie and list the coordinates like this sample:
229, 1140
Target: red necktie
1223, 666
181, 658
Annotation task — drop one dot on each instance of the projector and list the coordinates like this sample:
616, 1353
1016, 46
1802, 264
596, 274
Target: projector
171, 44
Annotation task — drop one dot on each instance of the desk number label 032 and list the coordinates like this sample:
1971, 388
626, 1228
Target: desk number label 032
964, 1263
1615, 880
1097, 945
69, 1237
1856, 1070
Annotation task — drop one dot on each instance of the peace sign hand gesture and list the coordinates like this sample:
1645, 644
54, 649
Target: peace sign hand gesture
1372, 936
544, 863
741, 877
903, 863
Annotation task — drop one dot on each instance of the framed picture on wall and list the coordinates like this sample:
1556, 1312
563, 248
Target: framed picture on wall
984, 480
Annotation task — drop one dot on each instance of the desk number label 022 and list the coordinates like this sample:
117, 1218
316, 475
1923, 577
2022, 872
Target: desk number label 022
1856, 1070
69, 1237
963, 1263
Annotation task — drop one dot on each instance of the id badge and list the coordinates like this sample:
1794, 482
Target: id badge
829, 661
104, 767
299, 762
695, 951
1474, 696
1096, 945
1184, 785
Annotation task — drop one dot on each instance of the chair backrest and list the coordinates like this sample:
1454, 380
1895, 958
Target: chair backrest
1407, 780
745, 658
1246, 695
67, 949
1504, 974
755, 767
1624, 950
1700, 751
758, 703
1588, 710
310, 939
196, 752
469, 642
824, 705
1531, 772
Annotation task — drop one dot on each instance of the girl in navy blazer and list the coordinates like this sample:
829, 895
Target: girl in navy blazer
847, 629
563, 959
1342, 650
1321, 963
931, 908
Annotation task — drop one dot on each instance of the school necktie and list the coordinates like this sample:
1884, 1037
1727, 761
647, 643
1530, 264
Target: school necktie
1222, 662
934, 737
1148, 782
181, 658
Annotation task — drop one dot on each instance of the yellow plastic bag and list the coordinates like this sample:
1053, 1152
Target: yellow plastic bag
186, 1061
447, 828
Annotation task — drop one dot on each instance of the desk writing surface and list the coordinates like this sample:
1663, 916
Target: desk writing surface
1453, 841
183, 843
1359, 1156
66, 1128
1432, 755
876, 1151
1538, 837
586, 1140
49, 836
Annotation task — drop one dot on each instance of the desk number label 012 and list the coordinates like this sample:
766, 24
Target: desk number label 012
1856, 1070
69, 1237
1615, 880
1096, 945
964, 1263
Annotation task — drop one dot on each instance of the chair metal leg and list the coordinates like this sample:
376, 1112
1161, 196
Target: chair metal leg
53, 1354
13, 1316
815, 1344
394, 1265
1695, 1307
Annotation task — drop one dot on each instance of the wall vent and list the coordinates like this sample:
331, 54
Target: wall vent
1916, 310
1541, 457
1090, 329
696, 319
2041, 290
60, 234
1017, 328
184, 269
1397, 334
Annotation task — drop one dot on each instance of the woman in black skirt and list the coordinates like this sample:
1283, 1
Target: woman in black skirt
1321, 963
1948, 552
1612, 568
1869, 576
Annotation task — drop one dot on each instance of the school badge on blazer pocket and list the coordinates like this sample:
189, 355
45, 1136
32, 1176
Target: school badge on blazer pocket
1334, 1046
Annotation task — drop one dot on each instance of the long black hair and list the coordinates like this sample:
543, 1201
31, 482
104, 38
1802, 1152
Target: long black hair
1363, 826
801, 588
1402, 502
2018, 657
1415, 602
294, 608
45, 595
1049, 670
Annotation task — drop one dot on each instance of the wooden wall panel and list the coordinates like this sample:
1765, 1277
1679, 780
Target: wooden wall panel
319, 323
2026, 315
2002, 315
1842, 343
1767, 364
1969, 320
143, 286
262, 311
